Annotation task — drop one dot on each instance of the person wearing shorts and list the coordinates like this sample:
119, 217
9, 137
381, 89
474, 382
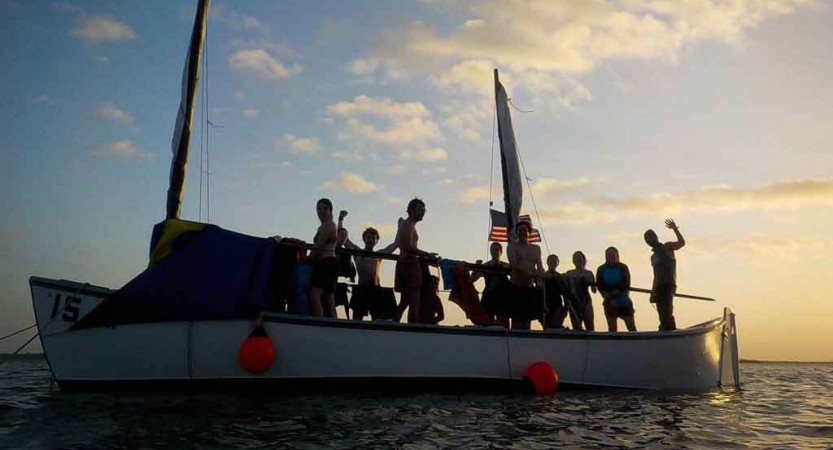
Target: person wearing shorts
325, 267
614, 281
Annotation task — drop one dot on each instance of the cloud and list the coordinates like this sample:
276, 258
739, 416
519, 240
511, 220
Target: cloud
575, 214
557, 41
761, 244
544, 186
351, 182
779, 194
127, 150
258, 63
426, 155
112, 112
298, 145
386, 121
474, 195
238, 21
66, 7
250, 113
101, 28
347, 156
42, 99
397, 169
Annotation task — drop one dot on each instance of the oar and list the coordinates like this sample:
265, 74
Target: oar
693, 297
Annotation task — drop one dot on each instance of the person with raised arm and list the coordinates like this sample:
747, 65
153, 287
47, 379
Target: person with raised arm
664, 264
408, 278
613, 279
525, 267
325, 267
368, 295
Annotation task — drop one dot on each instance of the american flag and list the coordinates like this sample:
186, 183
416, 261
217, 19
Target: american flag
498, 232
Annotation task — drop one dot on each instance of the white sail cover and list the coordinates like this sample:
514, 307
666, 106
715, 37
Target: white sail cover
509, 161
185, 112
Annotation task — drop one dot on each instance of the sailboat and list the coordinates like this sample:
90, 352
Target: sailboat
207, 291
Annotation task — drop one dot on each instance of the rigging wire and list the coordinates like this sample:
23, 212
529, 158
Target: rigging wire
19, 349
202, 135
18, 332
491, 177
531, 196
207, 130
509, 100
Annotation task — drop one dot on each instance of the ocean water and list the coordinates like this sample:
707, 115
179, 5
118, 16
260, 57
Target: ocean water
780, 406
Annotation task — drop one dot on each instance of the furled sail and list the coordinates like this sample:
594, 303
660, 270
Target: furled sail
509, 161
185, 114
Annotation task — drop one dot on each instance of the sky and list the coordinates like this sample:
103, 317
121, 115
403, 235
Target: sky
713, 112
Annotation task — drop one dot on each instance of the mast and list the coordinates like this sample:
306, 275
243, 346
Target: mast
509, 163
185, 114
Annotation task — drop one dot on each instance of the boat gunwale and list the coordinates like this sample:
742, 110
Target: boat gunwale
470, 330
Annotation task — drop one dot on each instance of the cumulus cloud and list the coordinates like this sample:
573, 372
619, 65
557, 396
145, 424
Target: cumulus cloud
347, 156
112, 112
127, 150
426, 155
351, 182
301, 145
101, 28
779, 194
258, 63
544, 186
575, 214
385, 121
474, 195
237, 21
557, 41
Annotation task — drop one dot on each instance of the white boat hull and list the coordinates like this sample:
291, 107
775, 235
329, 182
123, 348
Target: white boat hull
701, 357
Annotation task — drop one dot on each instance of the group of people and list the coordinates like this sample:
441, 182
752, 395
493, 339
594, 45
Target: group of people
418, 289
515, 293
530, 292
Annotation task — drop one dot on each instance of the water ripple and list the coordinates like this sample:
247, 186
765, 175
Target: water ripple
781, 405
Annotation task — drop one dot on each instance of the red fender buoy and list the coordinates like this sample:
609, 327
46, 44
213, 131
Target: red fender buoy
543, 376
257, 354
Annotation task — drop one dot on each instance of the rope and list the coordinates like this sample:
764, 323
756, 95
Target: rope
491, 177
509, 100
207, 130
19, 349
18, 332
531, 196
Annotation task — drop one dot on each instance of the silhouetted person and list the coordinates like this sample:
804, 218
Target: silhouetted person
581, 281
555, 288
525, 262
430, 306
613, 279
408, 278
493, 282
665, 274
323, 257
368, 295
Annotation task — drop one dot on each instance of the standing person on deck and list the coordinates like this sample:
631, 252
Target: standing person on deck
581, 280
346, 269
555, 288
408, 278
325, 267
614, 281
526, 266
493, 282
665, 274
368, 295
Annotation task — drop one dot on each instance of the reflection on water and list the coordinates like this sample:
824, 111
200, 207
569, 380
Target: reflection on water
781, 405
